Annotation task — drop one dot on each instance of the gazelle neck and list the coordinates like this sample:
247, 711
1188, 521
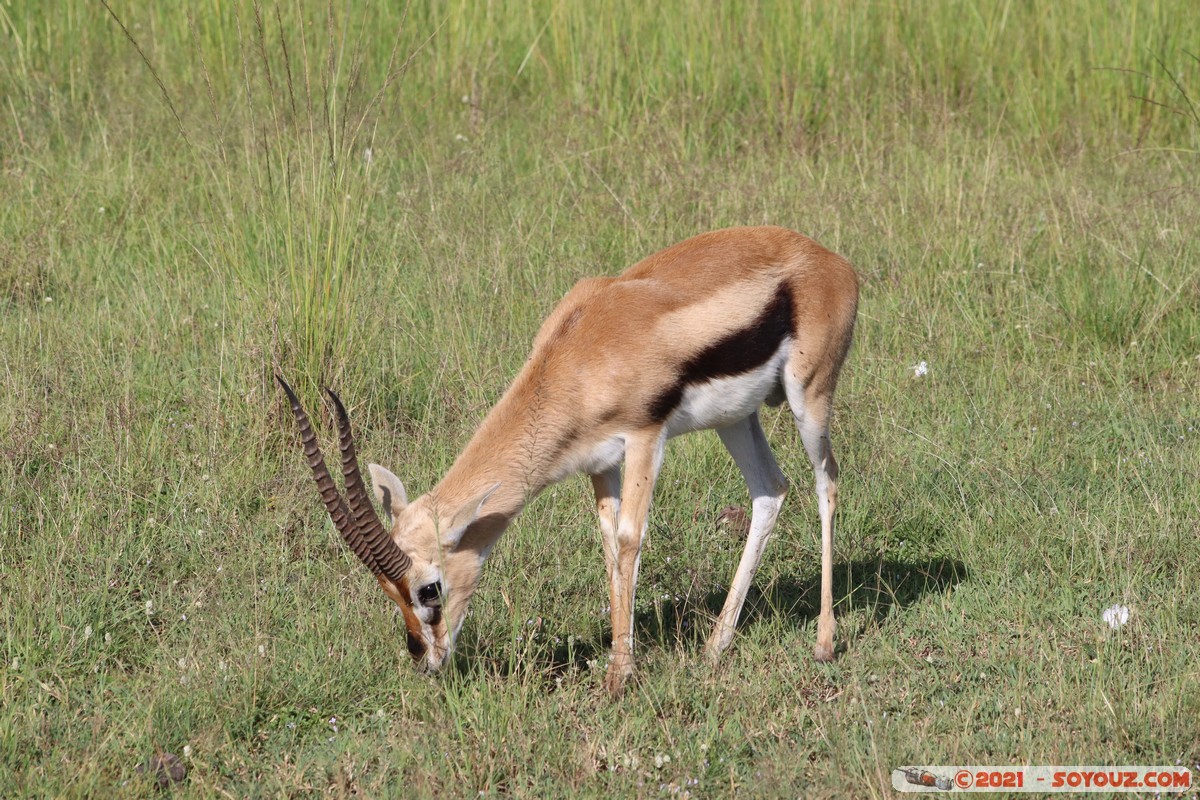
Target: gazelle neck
510, 448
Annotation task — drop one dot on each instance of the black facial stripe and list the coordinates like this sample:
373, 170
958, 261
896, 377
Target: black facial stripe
416, 648
737, 353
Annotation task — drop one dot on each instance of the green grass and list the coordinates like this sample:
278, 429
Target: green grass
1021, 221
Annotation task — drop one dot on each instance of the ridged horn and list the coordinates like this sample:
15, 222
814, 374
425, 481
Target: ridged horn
391, 559
334, 504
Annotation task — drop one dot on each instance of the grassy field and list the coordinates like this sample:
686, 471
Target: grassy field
392, 204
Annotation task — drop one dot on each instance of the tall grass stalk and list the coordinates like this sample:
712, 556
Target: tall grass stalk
290, 191
296, 238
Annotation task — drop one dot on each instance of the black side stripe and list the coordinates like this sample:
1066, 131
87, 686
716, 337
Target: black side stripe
738, 352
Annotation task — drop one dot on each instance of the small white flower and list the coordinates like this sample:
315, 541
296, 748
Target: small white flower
458, 137
1116, 615
108, 638
262, 649
183, 663
87, 632
920, 369
187, 751
149, 607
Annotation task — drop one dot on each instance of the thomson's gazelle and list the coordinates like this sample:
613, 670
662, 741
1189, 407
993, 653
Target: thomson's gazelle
697, 336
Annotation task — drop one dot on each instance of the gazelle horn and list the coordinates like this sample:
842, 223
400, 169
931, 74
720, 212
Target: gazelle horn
390, 558
338, 511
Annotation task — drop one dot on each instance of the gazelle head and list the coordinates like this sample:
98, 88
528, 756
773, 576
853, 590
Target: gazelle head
423, 563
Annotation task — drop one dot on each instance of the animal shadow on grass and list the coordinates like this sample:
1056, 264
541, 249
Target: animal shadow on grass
877, 585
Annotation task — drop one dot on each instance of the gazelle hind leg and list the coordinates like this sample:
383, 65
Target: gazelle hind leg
748, 445
811, 410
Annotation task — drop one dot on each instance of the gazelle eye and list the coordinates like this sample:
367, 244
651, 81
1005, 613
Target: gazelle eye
430, 594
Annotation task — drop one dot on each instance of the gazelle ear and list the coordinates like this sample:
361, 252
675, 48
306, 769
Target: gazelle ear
462, 519
389, 490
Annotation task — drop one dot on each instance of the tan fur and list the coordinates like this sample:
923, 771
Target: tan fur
603, 356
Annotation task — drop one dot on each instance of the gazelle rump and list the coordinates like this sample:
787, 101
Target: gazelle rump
697, 336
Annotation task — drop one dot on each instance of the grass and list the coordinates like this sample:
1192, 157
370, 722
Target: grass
1014, 182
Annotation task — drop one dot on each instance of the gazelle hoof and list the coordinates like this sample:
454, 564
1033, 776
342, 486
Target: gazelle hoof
615, 681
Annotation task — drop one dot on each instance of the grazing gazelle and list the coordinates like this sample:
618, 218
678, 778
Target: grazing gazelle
697, 336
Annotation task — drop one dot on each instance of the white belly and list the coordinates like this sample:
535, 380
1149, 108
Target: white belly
607, 455
723, 401
712, 404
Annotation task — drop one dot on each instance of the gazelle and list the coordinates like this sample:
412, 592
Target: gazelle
696, 336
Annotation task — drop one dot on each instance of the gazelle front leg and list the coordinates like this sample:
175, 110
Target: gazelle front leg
607, 486
643, 459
